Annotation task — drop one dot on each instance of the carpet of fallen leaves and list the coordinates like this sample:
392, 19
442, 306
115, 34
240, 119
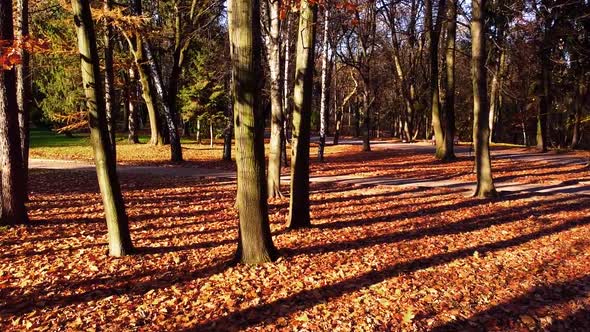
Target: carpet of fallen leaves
379, 258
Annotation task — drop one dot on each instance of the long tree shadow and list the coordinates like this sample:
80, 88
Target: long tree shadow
503, 316
269, 312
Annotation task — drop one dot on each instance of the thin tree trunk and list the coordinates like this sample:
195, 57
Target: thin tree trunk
366, 119
169, 114
132, 113
546, 100
13, 194
109, 80
23, 85
434, 36
449, 108
581, 91
228, 131
114, 208
211, 133
325, 86
341, 112
255, 242
273, 51
481, 130
302, 100
286, 90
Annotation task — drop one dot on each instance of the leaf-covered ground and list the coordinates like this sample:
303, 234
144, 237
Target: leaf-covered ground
379, 258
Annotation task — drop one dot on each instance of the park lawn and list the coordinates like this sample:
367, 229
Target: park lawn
379, 257
50, 145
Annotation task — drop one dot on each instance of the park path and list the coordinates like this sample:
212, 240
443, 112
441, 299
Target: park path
577, 186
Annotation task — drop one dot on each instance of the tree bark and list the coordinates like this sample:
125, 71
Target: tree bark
434, 37
546, 99
114, 208
273, 52
132, 113
302, 99
449, 108
324, 102
481, 130
13, 194
23, 85
109, 80
255, 242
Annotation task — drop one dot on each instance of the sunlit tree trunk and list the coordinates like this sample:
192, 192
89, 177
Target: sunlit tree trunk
169, 114
481, 130
13, 194
255, 242
286, 90
449, 108
341, 111
136, 46
324, 102
132, 109
229, 128
299, 200
109, 80
114, 208
546, 99
23, 84
273, 52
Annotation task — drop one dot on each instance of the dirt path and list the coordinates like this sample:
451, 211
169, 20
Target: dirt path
579, 186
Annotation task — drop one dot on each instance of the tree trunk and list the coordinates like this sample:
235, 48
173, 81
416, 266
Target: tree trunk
273, 52
211, 133
255, 242
434, 36
228, 131
481, 130
449, 110
114, 208
13, 176
169, 114
302, 100
325, 86
581, 92
109, 80
23, 85
132, 113
366, 119
546, 100
286, 91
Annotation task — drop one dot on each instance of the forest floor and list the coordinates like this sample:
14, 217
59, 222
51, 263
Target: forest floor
385, 252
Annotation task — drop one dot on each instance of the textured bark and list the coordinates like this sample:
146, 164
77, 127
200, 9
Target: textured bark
168, 113
302, 99
114, 208
13, 194
546, 99
255, 242
324, 102
109, 80
273, 52
481, 130
23, 84
433, 38
132, 109
136, 46
449, 109
341, 111
286, 90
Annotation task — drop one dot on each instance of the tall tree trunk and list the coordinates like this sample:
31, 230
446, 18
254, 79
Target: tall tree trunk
255, 242
341, 112
366, 118
169, 114
449, 110
114, 208
229, 128
132, 109
581, 92
302, 99
136, 46
546, 100
273, 51
324, 102
13, 176
481, 130
434, 37
109, 80
286, 90
495, 92
23, 85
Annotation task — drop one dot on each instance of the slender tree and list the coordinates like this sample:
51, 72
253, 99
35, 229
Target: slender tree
109, 78
255, 242
299, 200
23, 83
324, 102
449, 106
13, 194
481, 130
273, 53
114, 208
131, 91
